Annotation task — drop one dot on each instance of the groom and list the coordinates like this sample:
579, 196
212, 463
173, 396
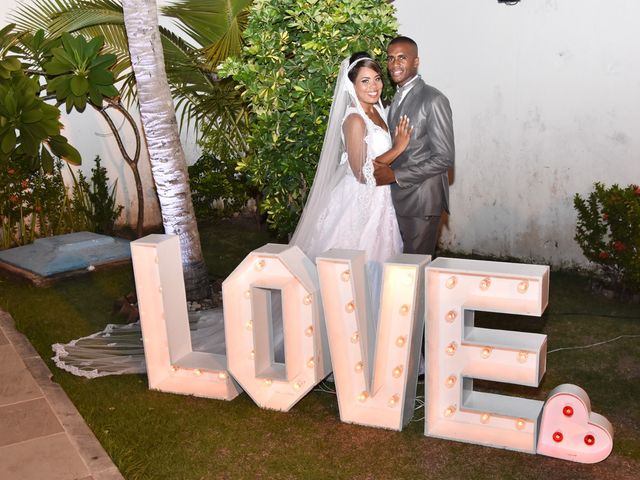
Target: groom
418, 177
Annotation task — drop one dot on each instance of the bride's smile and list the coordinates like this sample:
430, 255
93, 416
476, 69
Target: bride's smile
368, 86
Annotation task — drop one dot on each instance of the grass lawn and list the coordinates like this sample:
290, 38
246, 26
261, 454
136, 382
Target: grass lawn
152, 435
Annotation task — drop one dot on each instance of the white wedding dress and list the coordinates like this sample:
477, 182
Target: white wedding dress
360, 216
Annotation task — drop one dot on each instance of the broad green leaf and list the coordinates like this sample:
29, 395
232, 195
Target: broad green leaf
103, 61
63, 57
11, 63
46, 160
30, 116
79, 85
8, 141
56, 67
100, 76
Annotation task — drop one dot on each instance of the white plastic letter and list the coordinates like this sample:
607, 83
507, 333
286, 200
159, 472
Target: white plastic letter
458, 352
172, 365
375, 388
275, 283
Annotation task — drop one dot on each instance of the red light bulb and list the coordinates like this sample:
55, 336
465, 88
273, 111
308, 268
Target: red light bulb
568, 411
589, 439
558, 437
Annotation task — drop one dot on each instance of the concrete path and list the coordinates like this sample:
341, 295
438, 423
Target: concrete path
42, 435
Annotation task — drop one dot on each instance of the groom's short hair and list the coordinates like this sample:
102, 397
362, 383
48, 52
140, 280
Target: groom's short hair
403, 39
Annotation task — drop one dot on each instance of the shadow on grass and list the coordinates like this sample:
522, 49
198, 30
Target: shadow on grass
153, 435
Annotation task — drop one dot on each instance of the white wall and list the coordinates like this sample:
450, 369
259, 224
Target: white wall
546, 101
89, 133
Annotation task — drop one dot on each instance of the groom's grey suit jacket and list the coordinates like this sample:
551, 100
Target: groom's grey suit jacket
422, 183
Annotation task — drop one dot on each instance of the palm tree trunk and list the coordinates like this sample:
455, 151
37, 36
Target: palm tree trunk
168, 163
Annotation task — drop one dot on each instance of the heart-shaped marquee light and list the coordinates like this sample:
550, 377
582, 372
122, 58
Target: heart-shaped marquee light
570, 430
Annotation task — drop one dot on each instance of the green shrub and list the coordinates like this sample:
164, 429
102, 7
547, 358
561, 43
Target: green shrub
217, 189
36, 204
94, 204
288, 70
608, 231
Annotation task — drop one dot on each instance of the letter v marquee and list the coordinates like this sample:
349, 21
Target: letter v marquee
375, 374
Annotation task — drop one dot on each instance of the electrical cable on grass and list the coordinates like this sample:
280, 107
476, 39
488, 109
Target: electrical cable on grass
593, 344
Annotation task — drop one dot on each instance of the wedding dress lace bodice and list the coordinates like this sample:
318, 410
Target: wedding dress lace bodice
360, 215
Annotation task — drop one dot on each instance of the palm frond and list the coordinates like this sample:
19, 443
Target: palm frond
215, 25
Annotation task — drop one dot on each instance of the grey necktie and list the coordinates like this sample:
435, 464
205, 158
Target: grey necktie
395, 103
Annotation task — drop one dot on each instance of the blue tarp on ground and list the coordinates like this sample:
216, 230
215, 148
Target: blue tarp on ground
65, 253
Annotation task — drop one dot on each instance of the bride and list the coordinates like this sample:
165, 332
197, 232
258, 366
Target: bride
345, 209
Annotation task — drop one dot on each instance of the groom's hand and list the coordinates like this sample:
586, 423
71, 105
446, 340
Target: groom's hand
383, 173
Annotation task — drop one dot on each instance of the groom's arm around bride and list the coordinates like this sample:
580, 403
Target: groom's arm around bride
418, 177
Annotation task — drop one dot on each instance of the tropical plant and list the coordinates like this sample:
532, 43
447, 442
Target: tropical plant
217, 189
78, 73
168, 163
212, 30
95, 202
35, 203
29, 127
75, 72
608, 232
288, 70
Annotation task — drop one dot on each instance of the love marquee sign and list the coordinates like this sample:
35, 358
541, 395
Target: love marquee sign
326, 314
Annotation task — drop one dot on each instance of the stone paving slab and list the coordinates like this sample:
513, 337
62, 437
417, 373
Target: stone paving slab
42, 435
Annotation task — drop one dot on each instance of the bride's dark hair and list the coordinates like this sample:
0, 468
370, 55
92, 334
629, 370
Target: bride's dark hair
365, 62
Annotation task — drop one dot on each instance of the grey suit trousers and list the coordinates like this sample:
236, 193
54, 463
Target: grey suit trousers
419, 234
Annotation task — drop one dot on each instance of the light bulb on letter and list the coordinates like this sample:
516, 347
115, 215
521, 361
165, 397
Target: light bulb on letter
451, 316
393, 401
404, 309
349, 307
359, 366
449, 411
363, 396
307, 299
520, 424
523, 286
485, 352
451, 282
355, 337
401, 341
484, 418
311, 362
309, 331
485, 283
522, 356
259, 265
397, 371
450, 381
451, 348
344, 276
